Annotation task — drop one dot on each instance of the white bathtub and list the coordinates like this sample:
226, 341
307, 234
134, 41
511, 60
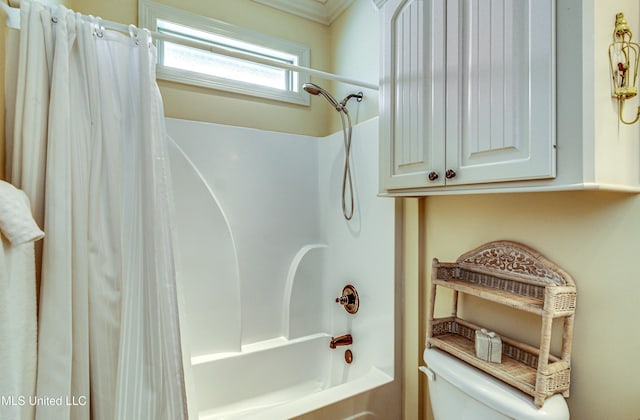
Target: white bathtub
276, 379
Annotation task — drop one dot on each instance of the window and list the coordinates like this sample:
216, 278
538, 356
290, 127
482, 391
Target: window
193, 66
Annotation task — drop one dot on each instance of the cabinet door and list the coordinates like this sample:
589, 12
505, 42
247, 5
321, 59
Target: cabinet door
500, 90
412, 94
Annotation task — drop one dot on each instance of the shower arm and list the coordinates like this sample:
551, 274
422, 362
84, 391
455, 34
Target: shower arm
358, 97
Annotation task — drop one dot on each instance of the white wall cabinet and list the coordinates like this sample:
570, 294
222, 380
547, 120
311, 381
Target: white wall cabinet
470, 100
468, 92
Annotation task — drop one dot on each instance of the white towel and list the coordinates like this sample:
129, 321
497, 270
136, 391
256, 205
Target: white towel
17, 304
16, 221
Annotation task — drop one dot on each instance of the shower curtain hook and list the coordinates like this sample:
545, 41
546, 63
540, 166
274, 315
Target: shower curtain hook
133, 33
98, 30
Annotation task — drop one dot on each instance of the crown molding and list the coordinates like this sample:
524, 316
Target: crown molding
321, 11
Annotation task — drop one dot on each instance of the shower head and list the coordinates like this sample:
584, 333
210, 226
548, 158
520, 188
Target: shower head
314, 89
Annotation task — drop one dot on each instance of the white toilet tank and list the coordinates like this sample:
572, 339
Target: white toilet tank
460, 391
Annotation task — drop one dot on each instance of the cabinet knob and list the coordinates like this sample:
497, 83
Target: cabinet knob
433, 175
450, 173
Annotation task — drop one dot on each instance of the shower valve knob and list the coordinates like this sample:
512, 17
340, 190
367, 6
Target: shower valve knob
349, 299
433, 175
346, 300
450, 173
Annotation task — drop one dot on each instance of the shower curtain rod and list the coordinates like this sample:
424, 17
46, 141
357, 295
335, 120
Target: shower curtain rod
107, 24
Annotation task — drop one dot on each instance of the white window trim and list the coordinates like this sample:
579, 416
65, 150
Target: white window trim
149, 12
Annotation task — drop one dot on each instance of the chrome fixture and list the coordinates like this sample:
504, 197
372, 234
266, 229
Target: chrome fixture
349, 299
343, 340
623, 61
341, 107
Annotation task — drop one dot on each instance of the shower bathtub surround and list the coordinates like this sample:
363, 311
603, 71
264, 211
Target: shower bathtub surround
263, 250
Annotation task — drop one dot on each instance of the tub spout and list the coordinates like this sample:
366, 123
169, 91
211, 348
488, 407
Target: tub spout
343, 340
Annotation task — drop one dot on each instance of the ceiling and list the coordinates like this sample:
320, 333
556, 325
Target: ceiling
322, 11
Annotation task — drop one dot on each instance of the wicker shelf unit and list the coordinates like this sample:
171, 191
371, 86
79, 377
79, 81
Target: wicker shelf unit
514, 275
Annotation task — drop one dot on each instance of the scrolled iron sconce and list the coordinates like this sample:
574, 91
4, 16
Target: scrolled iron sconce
623, 59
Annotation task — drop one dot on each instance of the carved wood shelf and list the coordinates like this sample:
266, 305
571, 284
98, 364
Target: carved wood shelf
516, 276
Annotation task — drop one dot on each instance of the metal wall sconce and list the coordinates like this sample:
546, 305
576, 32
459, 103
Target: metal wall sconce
623, 58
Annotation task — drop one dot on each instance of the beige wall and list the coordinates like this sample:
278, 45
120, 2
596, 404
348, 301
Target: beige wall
188, 102
355, 53
594, 236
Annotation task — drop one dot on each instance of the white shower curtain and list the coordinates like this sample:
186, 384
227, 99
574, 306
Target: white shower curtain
89, 150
